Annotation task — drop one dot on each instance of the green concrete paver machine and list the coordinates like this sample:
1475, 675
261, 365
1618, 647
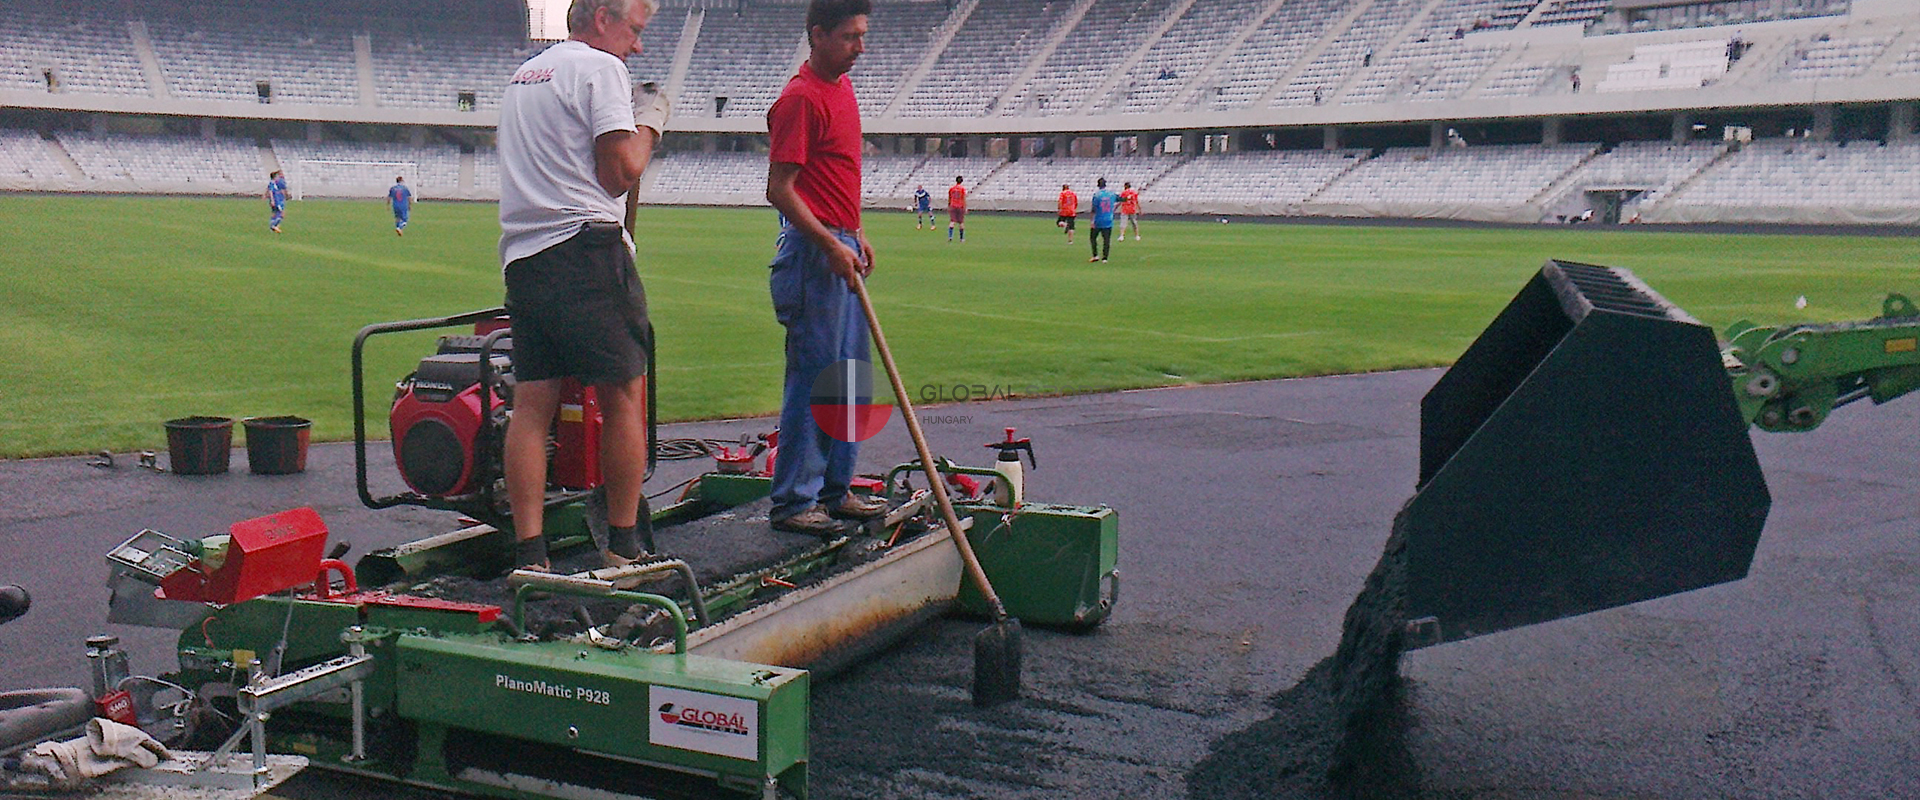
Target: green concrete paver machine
686, 674
1591, 448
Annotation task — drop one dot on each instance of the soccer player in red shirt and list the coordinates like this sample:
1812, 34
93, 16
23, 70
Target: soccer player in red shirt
813, 178
957, 208
1069, 208
1129, 211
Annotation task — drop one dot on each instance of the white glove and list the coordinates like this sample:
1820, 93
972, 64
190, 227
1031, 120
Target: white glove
651, 106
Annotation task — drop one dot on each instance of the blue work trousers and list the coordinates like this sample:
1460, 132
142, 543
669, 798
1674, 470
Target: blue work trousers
824, 325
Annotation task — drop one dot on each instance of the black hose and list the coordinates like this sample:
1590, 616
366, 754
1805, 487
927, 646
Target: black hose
686, 449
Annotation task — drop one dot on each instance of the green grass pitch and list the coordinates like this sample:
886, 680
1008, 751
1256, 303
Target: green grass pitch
119, 313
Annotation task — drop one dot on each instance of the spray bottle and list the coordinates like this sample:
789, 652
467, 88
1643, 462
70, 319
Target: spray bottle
1008, 465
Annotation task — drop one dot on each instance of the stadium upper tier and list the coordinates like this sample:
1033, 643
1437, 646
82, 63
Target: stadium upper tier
979, 66
1794, 180
1769, 180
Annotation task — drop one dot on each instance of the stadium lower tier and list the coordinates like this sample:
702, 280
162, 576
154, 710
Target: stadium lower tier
1768, 181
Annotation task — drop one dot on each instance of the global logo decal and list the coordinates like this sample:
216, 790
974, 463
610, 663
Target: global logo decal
843, 402
697, 719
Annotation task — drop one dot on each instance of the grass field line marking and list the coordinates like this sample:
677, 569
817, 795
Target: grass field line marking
317, 250
1108, 328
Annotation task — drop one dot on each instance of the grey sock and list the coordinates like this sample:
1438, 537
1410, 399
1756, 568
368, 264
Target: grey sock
530, 552
632, 541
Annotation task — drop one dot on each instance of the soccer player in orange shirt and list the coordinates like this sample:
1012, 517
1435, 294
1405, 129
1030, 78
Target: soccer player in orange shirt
957, 208
1129, 211
1069, 207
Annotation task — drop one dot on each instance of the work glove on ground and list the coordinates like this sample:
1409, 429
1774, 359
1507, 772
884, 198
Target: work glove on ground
651, 106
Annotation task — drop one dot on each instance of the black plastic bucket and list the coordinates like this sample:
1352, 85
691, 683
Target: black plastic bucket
277, 445
199, 445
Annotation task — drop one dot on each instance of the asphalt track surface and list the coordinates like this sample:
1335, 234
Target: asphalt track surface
1250, 515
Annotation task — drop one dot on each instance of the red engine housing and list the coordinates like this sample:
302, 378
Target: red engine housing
436, 421
435, 426
576, 438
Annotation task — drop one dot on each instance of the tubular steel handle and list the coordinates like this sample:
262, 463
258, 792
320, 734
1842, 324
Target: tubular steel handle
939, 486
944, 466
323, 588
360, 391
672, 608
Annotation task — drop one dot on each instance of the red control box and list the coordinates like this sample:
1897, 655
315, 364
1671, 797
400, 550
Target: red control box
266, 555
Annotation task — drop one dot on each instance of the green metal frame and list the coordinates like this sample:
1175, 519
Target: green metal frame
437, 669
1790, 378
594, 701
1050, 564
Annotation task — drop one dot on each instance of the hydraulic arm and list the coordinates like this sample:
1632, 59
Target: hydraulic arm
1789, 378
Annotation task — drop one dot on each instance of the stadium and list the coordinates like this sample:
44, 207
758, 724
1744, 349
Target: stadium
1265, 400
1497, 110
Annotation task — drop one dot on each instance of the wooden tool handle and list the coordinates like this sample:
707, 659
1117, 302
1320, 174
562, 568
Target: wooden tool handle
938, 486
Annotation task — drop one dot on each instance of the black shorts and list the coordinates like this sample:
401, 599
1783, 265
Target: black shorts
579, 311
1065, 222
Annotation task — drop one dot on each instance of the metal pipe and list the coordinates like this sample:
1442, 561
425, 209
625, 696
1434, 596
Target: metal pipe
666, 603
356, 647
482, 465
663, 565
257, 725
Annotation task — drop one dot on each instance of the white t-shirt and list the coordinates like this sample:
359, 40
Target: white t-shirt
556, 104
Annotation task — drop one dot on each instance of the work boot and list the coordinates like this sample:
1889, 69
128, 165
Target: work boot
814, 521
853, 506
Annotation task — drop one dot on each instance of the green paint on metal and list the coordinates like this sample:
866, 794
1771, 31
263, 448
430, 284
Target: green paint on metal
746, 722
733, 490
1789, 378
1050, 564
253, 629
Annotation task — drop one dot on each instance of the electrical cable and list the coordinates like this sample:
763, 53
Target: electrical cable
669, 490
686, 449
176, 708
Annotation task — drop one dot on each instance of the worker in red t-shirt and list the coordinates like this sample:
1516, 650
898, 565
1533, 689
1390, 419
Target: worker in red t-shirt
1129, 211
1069, 208
813, 178
957, 208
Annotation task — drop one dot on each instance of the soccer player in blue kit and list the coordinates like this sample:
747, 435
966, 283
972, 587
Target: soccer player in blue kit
1101, 237
402, 199
922, 207
276, 199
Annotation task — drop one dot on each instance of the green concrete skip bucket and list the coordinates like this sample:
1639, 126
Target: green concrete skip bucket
1584, 453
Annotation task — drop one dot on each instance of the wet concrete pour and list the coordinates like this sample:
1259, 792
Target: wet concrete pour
1251, 515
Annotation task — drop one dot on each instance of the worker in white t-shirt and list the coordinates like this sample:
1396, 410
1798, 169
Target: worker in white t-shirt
574, 138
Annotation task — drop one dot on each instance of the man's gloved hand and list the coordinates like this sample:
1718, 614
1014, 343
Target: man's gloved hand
651, 106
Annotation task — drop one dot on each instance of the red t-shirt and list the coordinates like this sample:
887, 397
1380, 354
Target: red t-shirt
816, 124
957, 196
1129, 202
1069, 204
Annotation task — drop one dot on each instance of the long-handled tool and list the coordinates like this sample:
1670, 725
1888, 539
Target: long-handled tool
996, 650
